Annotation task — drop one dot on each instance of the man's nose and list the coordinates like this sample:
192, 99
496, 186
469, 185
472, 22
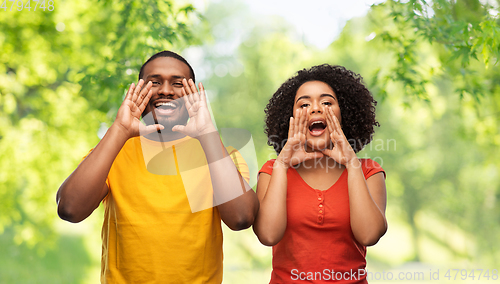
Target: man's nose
166, 90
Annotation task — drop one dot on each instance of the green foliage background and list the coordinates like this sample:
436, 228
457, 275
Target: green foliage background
431, 65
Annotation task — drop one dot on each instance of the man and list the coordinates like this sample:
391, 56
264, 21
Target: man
152, 231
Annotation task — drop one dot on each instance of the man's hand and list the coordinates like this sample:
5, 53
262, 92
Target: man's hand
129, 114
199, 122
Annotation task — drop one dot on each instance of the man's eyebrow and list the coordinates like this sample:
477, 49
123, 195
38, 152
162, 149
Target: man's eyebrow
159, 76
153, 76
178, 77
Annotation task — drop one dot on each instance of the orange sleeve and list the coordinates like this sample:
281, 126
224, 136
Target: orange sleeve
370, 167
267, 167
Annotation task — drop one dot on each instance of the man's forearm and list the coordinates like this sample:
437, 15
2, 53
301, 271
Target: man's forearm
228, 184
81, 193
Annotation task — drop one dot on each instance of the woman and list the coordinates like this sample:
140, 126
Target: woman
320, 206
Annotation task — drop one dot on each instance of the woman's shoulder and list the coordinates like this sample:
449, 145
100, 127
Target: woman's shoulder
371, 167
267, 167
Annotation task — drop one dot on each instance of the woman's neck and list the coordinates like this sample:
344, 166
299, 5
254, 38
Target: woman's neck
324, 164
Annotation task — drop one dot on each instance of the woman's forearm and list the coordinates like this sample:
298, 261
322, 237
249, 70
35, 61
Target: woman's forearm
367, 206
270, 224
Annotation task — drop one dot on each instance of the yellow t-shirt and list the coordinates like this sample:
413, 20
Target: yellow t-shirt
150, 234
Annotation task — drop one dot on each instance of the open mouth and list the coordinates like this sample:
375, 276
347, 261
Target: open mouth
316, 128
165, 108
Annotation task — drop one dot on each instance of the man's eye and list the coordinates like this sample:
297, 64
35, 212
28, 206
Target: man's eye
155, 83
178, 84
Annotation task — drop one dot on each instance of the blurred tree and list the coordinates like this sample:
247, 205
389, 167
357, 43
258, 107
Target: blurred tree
466, 34
445, 129
433, 134
62, 72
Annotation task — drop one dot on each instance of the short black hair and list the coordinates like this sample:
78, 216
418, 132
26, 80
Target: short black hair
167, 53
357, 106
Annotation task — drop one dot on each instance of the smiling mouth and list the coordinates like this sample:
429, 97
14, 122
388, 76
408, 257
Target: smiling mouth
316, 128
165, 108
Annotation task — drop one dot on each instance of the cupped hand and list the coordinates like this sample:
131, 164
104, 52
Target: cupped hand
294, 151
342, 151
129, 113
199, 122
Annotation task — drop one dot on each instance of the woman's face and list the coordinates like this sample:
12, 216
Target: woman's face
315, 96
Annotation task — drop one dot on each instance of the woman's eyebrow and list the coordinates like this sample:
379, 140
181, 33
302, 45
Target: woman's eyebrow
302, 97
308, 97
327, 95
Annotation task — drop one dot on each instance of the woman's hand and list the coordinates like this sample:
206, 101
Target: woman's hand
294, 151
342, 151
199, 122
367, 197
129, 113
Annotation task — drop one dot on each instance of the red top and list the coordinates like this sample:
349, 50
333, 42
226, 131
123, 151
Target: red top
318, 245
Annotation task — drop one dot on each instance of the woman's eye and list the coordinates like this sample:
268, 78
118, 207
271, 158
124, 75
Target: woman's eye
304, 105
327, 103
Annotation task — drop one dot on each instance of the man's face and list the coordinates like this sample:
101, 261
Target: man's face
166, 74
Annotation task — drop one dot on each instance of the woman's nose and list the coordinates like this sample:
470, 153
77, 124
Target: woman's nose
316, 108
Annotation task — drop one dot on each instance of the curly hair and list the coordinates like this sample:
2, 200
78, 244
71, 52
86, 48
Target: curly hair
356, 103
